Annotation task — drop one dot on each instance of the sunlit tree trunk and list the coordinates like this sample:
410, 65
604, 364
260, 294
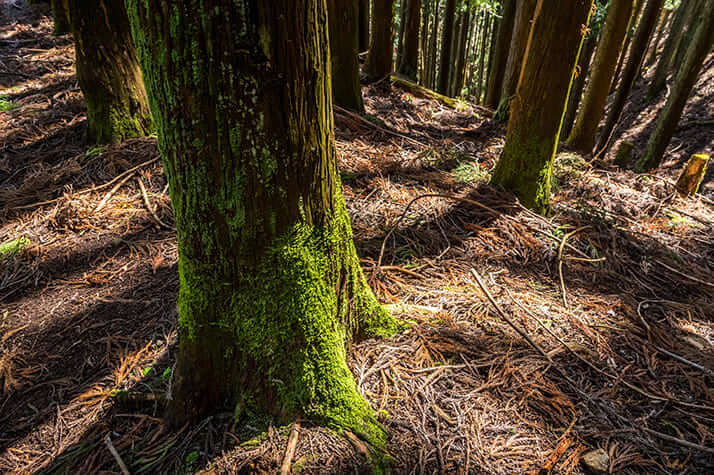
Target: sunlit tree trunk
485, 34
344, 46
581, 77
537, 110
108, 71
379, 58
409, 59
271, 289
628, 40
500, 54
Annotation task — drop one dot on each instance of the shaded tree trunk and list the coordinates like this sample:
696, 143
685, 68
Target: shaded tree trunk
582, 137
485, 35
403, 5
516, 52
379, 58
581, 77
654, 46
424, 42
688, 31
343, 24
410, 47
363, 25
659, 78
500, 54
628, 39
446, 35
459, 61
108, 71
699, 48
271, 290
538, 107
629, 74
60, 15
432, 46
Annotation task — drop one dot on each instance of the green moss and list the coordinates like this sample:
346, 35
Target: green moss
11, 248
6, 105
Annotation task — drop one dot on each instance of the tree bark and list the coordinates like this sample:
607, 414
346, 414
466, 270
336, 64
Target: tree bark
271, 289
628, 39
629, 74
659, 78
410, 47
699, 48
379, 58
537, 110
485, 34
344, 45
424, 42
459, 62
500, 54
516, 50
363, 25
581, 77
446, 35
688, 32
60, 15
654, 45
108, 71
582, 137
432, 46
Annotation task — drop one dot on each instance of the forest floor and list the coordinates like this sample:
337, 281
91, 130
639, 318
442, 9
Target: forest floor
615, 289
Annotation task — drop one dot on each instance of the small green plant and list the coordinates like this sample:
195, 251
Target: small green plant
467, 172
147, 371
6, 104
166, 375
94, 151
675, 219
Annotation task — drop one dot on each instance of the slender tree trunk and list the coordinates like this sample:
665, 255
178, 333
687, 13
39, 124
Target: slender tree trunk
626, 47
432, 46
457, 76
688, 32
492, 37
470, 60
403, 5
363, 25
581, 77
423, 42
654, 46
410, 53
537, 110
500, 54
629, 74
344, 45
379, 58
699, 48
60, 15
446, 35
582, 137
271, 289
108, 71
659, 78
487, 22
516, 51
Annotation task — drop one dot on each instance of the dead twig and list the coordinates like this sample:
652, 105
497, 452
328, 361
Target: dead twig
560, 262
115, 454
290, 449
148, 204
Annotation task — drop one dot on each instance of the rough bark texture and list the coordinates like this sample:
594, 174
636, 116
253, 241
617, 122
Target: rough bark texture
432, 46
108, 71
699, 48
344, 45
659, 78
60, 15
692, 174
500, 54
270, 285
485, 31
379, 58
458, 73
409, 59
579, 81
516, 51
446, 35
582, 137
363, 25
629, 74
537, 110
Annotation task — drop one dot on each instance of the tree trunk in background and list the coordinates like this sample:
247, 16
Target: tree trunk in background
60, 15
432, 46
271, 289
659, 78
500, 54
626, 47
582, 137
485, 34
581, 77
410, 53
688, 31
654, 45
424, 42
343, 22
403, 5
379, 58
516, 51
446, 35
108, 71
699, 48
469, 57
538, 107
492, 37
363, 25
637, 53
457, 82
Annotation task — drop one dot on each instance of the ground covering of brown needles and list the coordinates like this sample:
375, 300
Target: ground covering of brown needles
534, 341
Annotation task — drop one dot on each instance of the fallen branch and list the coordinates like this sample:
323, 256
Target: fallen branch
148, 204
115, 454
290, 449
560, 262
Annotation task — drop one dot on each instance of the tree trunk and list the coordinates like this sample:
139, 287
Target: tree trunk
626, 47
410, 47
60, 15
379, 58
581, 77
637, 53
344, 44
446, 35
699, 48
537, 110
108, 71
654, 46
688, 31
500, 54
271, 289
659, 78
485, 34
459, 61
582, 137
423, 43
403, 5
516, 51
432, 46
363, 25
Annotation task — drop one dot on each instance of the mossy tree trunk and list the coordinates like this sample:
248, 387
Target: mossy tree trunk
363, 25
271, 290
537, 109
60, 15
581, 77
516, 50
446, 36
409, 58
645, 28
667, 120
500, 54
379, 58
108, 71
344, 46
582, 137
